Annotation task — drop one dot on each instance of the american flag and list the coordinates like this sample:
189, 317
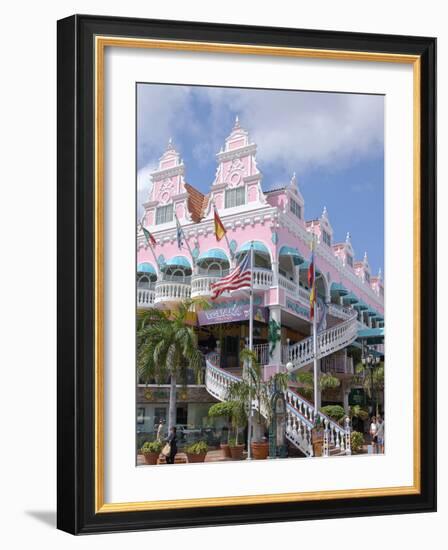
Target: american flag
240, 277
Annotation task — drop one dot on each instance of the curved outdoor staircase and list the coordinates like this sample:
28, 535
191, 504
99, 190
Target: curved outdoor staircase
300, 414
328, 341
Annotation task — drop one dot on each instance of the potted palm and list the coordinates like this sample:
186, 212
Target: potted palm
151, 451
223, 409
252, 394
196, 452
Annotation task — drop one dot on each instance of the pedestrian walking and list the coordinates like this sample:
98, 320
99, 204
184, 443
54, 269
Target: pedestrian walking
172, 442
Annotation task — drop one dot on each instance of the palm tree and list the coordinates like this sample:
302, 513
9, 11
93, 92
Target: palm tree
372, 380
254, 391
167, 347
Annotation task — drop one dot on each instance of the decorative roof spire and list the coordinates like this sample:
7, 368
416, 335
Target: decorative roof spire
237, 123
293, 180
365, 258
380, 274
324, 212
170, 145
348, 237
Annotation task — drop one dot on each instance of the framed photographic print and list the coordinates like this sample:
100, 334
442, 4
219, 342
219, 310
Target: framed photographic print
247, 274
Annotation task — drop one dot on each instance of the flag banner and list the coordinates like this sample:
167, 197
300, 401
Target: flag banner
323, 307
179, 234
220, 230
149, 236
240, 277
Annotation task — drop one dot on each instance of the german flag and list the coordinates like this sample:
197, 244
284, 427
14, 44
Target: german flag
220, 230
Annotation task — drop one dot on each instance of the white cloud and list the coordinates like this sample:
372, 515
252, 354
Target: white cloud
294, 130
297, 129
144, 186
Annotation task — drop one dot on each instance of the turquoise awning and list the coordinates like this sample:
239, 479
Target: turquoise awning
362, 306
146, 267
372, 335
338, 288
293, 252
371, 312
178, 261
350, 298
258, 247
213, 254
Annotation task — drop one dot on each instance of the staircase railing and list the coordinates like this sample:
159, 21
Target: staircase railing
298, 430
338, 436
300, 414
328, 341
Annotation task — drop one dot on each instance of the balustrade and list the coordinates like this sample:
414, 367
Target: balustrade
145, 297
171, 291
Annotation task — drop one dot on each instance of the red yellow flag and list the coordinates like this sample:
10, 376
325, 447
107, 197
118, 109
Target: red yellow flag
220, 230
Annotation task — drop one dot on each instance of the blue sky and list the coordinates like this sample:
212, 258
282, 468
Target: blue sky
334, 142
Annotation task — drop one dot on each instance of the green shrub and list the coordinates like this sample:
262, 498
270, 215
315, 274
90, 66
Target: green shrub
221, 409
152, 447
357, 441
335, 412
197, 448
232, 441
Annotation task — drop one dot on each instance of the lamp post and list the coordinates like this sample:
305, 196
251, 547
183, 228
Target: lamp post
370, 360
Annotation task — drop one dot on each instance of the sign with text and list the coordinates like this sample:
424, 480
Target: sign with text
236, 312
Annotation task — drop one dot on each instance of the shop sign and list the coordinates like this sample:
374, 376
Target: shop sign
234, 313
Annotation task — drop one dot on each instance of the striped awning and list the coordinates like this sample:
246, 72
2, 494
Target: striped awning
350, 298
213, 254
258, 247
146, 267
338, 288
372, 335
293, 252
178, 261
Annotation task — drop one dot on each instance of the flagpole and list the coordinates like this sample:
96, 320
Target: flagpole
152, 250
315, 333
185, 239
251, 347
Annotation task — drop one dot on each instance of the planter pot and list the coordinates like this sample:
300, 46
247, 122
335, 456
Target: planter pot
259, 450
151, 458
193, 457
237, 452
317, 447
226, 450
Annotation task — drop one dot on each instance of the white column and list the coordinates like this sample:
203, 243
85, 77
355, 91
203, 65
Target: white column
275, 273
345, 394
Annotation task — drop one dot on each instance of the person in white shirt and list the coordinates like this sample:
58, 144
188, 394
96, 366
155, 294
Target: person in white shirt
373, 433
380, 434
160, 431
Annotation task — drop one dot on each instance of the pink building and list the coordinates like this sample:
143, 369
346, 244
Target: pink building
275, 222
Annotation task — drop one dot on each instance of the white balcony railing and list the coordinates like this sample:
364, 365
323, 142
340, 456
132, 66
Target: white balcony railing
262, 353
172, 291
145, 297
201, 285
261, 278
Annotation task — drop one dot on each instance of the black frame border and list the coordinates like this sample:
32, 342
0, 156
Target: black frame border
76, 263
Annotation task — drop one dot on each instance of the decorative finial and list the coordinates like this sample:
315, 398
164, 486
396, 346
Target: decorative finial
324, 211
365, 257
348, 237
237, 122
293, 179
170, 144
380, 274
